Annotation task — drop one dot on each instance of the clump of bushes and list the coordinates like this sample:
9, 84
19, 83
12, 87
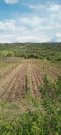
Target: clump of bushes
32, 50
51, 95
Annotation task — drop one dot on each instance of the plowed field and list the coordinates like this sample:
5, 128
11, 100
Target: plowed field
27, 74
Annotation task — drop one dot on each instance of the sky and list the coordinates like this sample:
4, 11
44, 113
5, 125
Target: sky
30, 21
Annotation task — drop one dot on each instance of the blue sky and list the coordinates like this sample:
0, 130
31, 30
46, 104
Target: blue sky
30, 21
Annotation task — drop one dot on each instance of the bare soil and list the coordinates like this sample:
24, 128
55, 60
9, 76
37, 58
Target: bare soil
13, 86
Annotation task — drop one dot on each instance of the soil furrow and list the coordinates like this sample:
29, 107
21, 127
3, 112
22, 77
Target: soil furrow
13, 86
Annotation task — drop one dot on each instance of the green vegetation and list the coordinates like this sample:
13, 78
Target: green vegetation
49, 51
51, 95
47, 122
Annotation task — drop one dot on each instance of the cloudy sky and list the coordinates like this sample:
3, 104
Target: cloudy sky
30, 21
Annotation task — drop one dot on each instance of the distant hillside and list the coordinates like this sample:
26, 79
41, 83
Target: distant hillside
49, 51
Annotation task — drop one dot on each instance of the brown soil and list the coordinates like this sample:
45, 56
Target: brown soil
36, 80
13, 87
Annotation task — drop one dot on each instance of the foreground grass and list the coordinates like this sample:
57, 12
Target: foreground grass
34, 122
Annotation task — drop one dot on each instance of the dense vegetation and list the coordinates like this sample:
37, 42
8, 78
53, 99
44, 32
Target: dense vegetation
45, 122
49, 51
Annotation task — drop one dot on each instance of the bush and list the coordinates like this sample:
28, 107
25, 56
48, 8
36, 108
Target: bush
51, 95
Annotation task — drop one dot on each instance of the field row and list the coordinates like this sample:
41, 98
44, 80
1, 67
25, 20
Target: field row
24, 77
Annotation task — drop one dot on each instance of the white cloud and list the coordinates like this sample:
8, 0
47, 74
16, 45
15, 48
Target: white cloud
54, 7
58, 34
48, 6
11, 1
25, 30
7, 25
10, 31
59, 37
36, 6
58, 26
35, 21
43, 26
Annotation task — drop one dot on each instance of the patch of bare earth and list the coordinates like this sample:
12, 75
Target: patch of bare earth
25, 75
36, 79
13, 87
53, 73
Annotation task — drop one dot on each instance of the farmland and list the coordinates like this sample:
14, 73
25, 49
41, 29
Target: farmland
30, 89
